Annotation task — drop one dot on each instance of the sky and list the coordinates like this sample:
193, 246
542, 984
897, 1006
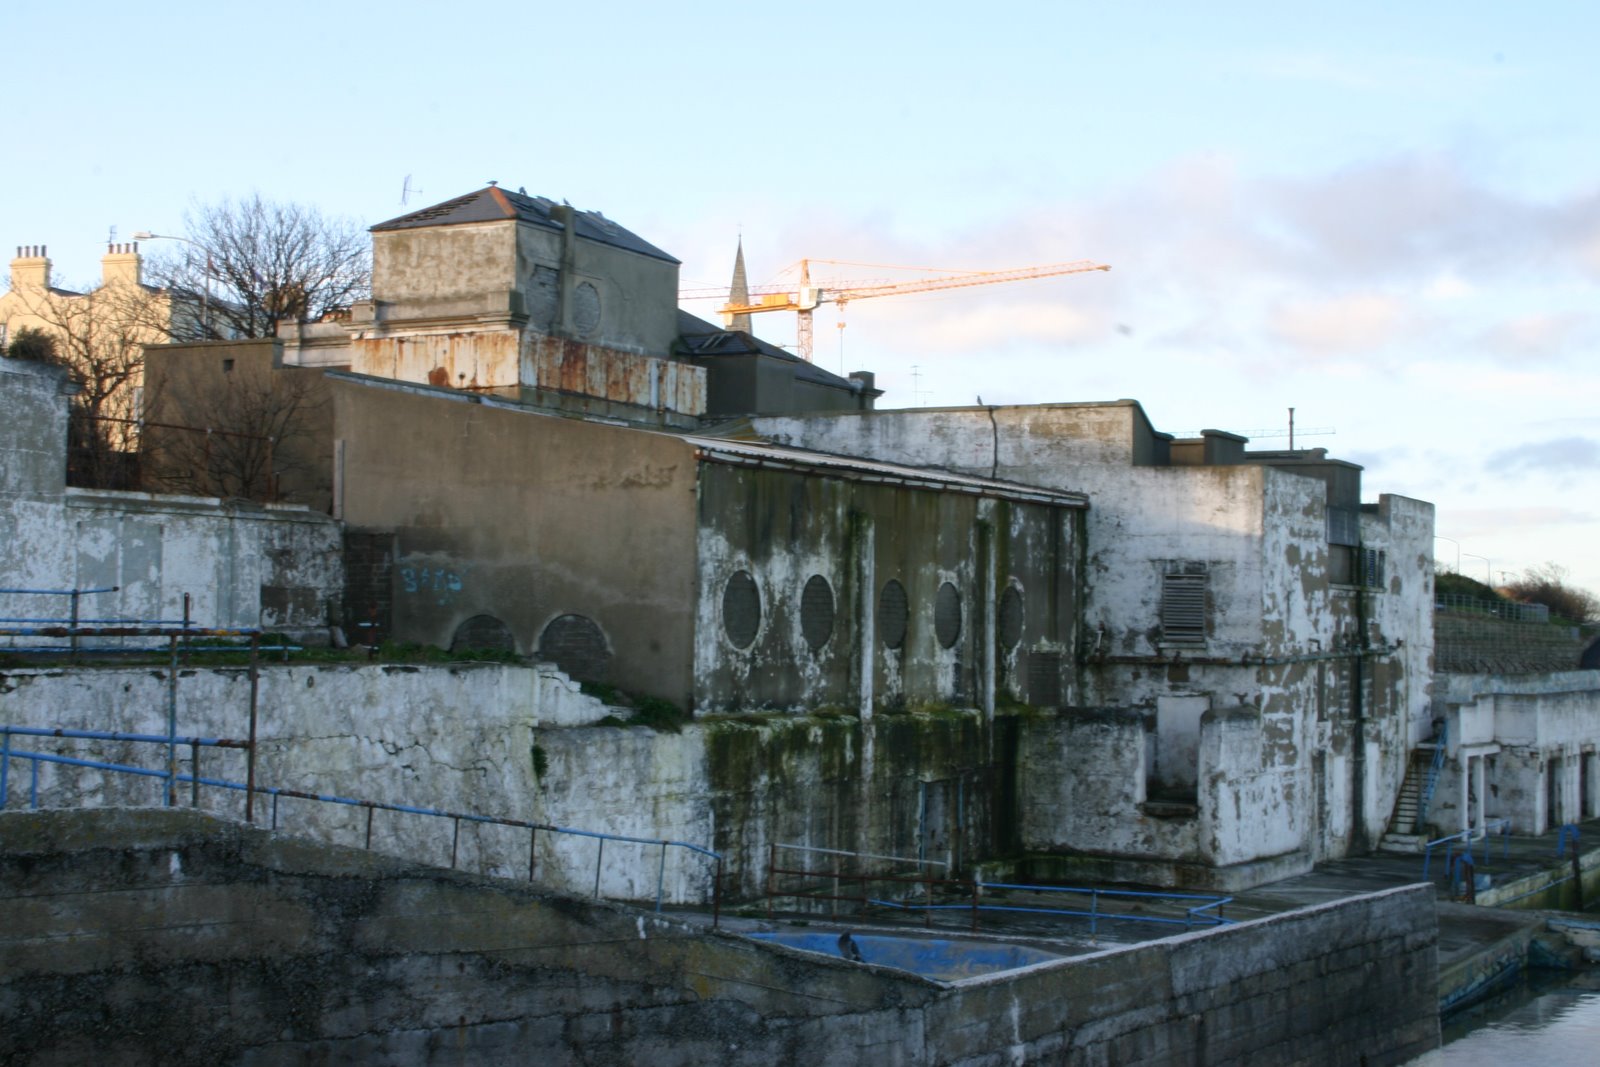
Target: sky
1385, 216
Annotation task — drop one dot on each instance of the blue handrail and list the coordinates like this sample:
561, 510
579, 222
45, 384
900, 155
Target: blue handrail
7, 753
1432, 780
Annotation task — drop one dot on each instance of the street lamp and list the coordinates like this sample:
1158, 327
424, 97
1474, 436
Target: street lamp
1488, 574
1453, 541
205, 296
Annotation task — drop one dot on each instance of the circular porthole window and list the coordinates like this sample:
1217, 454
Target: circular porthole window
1010, 622
741, 609
947, 615
585, 309
892, 614
816, 612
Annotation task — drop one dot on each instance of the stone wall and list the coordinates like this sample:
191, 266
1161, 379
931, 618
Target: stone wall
145, 937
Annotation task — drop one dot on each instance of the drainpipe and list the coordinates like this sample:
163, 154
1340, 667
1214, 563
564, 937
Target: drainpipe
986, 554
866, 616
568, 217
1358, 716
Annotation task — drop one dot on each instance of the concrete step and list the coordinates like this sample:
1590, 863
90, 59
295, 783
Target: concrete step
1398, 842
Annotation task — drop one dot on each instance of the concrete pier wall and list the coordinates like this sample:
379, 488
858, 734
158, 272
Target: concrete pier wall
143, 936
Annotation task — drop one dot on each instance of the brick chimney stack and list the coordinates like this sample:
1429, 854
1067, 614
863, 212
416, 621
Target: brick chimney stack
31, 269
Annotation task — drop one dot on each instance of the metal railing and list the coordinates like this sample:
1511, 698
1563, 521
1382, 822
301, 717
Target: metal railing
1425, 798
1465, 838
1208, 912
195, 780
1507, 610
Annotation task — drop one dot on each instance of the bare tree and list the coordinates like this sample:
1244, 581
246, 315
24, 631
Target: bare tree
250, 264
99, 337
241, 434
1547, 584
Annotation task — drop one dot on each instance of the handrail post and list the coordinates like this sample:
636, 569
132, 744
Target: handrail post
976, 887
73, 655
5, 767
250, 753
1094, 911
370, 810
172, 721
599, 859
772, 874
533, 850
455, 840
194, 779
661, 876
33, 786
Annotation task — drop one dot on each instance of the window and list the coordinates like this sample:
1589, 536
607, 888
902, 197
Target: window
1373, 565
947, 615
1183, 601
816, 612
741, 609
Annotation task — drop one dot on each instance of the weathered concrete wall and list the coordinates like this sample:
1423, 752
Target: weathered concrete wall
920, 785
33, 429
530, 519
1529, 741
819, 631
241, 564
455, 738
1335, 704
145, 937
240, 387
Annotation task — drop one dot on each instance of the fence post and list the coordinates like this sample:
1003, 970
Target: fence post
455, 841
661, 875
194, 778
599, 858
172, 721
73, 655
250, 753
772, 874
5, 769
533, 849
370, 810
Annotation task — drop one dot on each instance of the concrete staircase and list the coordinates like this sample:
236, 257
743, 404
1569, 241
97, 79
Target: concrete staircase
1406, 834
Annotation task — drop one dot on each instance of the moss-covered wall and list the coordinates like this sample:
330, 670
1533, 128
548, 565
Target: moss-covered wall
931, 784
848, 541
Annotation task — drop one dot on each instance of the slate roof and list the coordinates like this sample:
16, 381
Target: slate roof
701, 338
494, 204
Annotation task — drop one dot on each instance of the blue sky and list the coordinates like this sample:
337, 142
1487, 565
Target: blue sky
1384, 215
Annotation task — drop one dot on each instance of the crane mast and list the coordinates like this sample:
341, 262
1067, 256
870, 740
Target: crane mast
805, 297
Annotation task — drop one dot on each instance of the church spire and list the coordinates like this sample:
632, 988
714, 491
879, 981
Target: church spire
739, 290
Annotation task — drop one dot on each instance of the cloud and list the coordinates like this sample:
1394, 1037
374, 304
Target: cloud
1554, 456
1339, 324
1469, 521
1537, 336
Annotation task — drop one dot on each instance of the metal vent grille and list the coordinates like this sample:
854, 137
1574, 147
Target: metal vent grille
741, 609
892, 614
947, 615
576, 645
816, 612
1183, 607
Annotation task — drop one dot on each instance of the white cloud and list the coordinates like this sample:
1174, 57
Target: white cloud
1339, 325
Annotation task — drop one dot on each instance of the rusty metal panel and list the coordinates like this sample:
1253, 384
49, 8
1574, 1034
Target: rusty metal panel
623, 377
469, 360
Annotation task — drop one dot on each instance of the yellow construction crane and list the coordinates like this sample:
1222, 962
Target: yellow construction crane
805, 297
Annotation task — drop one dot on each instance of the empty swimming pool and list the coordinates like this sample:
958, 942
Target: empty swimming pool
938, 958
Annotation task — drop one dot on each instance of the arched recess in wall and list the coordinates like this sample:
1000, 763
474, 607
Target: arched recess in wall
1009, 617
947, 615
816, 612
893, 611
577, 645
483, 632
741, 609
